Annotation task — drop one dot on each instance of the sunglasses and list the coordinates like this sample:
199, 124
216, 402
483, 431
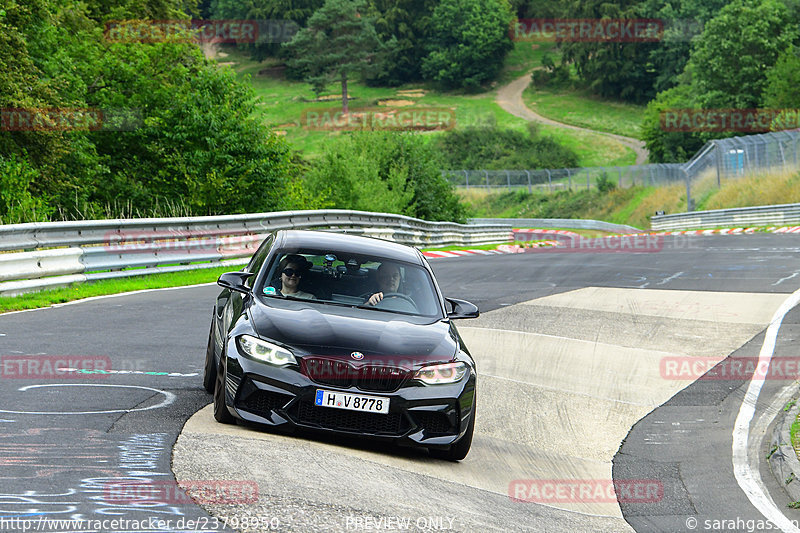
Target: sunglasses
292, 272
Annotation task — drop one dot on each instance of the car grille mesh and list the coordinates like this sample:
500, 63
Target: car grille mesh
373, 378
263, 402
340, 419
434, 422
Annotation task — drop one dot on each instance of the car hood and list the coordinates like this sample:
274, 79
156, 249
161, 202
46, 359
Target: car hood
319, 329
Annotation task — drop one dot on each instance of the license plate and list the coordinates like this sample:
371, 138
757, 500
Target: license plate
352, 402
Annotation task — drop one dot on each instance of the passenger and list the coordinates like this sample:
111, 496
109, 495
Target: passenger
388, 282
292, 267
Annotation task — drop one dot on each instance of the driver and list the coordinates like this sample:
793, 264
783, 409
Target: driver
388, 281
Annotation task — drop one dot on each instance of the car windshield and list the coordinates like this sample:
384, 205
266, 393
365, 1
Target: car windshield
344, 278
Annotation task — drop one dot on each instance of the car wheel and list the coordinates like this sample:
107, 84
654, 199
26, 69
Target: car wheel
210, 375
460, 449
221, 413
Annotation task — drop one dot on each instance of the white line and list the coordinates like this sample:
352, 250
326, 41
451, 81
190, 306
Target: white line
784, 279
142, 372
168, 399
747, 478
666, 280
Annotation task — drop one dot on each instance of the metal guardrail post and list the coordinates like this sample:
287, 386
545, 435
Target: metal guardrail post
487, 180
587, 179
549, 180
466, 175
569, 179
508, 179
689, 202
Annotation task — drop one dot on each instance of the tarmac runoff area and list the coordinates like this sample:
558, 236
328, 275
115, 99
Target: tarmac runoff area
562, 379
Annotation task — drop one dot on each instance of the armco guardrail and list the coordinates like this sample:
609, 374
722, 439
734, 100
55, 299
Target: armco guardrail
767, 215
567, 223
49, 254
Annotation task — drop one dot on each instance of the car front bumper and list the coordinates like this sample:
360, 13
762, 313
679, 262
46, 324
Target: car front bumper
434, 416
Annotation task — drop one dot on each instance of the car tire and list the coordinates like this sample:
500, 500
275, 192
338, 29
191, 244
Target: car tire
460, 449
210, 374
221, 413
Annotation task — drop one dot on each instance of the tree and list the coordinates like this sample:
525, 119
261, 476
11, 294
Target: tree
194, 140
670, 146
277, 16
612, 69
468, 42
782, 82
737, 47
409, 22
339, 41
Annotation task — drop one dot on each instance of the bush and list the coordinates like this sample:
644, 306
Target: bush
604, 184
485, 146
385, 172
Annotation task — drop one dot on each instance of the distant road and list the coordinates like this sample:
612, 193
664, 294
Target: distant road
510, 99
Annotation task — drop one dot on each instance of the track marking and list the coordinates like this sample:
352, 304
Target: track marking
749, 479
786, 278
168, 399
667, 280
140, 372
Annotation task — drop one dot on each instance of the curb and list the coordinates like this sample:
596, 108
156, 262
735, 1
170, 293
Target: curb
516, 249
783, 460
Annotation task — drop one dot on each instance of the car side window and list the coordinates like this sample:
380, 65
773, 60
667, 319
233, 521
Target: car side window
258, 259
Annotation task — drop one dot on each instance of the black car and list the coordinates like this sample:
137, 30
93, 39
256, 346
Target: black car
343, 334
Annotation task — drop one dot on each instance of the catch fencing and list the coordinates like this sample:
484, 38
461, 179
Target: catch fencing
718, 159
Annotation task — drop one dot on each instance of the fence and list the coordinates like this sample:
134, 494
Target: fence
51, 254
721, 158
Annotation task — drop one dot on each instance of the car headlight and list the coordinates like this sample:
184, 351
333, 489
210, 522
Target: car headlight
441, 374
265, 352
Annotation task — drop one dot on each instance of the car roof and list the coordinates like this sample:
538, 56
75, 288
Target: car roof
347, 243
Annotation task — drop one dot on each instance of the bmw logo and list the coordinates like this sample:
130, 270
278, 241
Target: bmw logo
358, 356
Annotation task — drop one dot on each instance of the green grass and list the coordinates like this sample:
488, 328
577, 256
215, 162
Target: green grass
580, 108
78, 291
490, 246
282, 104
524, 57
794, 433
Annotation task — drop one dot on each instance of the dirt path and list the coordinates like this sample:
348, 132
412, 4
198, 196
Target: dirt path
510, 99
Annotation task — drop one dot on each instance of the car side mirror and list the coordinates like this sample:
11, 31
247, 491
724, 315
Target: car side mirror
462, 309
235, 281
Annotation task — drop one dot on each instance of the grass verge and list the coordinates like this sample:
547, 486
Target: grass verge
78, 291
282, 105
580, 108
